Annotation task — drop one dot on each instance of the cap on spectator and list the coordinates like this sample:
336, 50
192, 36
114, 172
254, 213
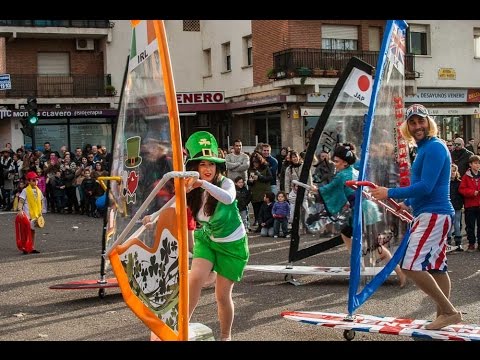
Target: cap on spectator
31, 175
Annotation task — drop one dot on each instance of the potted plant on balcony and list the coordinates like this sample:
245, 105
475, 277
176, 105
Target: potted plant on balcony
331, 72
110, 90
304, 71
271, 73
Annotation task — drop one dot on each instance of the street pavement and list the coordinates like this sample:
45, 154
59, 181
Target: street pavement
29, 310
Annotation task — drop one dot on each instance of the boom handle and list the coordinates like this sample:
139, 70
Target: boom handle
391, 205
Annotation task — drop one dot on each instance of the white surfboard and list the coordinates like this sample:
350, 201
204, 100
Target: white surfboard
314, 270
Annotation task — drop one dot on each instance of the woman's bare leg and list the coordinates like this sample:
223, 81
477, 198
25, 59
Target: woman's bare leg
201, 268
226, 309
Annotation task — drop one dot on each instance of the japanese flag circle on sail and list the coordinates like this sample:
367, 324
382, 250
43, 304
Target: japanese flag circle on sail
359, 86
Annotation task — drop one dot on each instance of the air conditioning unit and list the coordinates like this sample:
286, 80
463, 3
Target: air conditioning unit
85, 44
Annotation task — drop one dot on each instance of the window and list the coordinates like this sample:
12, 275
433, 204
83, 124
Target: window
476, 42
417, 39
207, 62
54, 75
373, 38
339, 37
247, 50
53, 63
227, 62
191, 25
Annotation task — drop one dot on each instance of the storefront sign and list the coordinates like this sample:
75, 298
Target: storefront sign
454, 111
473, 95
7, 113
438, 95
203, 97
447, 74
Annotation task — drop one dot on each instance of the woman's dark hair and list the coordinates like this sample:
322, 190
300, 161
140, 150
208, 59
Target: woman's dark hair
194, 197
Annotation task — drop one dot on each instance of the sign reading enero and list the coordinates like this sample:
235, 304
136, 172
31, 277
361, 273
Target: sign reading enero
204, 97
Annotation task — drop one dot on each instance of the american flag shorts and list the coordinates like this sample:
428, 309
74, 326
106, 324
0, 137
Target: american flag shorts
427, 244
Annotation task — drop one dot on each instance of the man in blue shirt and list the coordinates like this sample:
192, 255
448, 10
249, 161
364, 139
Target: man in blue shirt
273, 164
428, 195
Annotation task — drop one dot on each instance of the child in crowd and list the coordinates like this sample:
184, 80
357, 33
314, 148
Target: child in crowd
265, 217
470, 189
281, 214
243, 199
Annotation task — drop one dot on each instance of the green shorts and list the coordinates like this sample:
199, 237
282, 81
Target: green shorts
228, 258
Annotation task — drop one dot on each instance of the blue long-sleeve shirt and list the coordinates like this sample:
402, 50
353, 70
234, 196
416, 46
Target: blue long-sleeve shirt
429, 190
282, 209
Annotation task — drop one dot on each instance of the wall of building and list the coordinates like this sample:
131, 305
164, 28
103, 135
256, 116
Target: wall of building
117, 52
214, 34
270, 36
451, 47
186, 56
22, 56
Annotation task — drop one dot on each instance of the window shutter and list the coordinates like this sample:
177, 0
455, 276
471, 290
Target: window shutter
53, 63
339, 32
419, 28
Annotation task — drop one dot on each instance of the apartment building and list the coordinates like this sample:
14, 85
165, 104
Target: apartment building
257, 80
273, 77
74, 68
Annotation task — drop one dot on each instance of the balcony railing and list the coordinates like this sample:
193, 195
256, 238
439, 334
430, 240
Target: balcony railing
59, 23
58, 86
316, 62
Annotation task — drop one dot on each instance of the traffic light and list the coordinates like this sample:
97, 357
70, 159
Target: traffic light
26, 129
32, 109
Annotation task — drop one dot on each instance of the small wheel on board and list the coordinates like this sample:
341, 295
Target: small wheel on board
349, 334
288, 277
101, 293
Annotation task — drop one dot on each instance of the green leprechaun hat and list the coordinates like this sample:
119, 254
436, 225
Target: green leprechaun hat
133, 152
203, 146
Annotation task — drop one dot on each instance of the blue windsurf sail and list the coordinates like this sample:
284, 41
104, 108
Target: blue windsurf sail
384, 158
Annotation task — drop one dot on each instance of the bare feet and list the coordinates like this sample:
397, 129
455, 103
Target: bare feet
444, 320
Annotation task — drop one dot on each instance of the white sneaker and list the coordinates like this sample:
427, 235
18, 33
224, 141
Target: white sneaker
275, 236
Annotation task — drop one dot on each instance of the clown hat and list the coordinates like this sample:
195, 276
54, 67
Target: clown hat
202, 145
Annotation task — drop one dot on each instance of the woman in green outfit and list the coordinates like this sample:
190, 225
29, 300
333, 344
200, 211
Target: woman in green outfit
221, 243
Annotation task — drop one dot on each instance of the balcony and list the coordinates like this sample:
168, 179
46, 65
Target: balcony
326, 63
58, 86
58, 23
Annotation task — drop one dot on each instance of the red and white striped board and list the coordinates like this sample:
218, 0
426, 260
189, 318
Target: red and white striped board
386, 325
314, 270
